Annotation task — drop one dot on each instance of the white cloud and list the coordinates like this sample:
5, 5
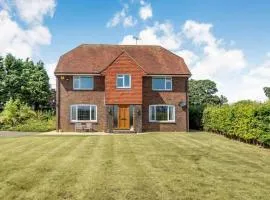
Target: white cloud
159, 34
214, 59
50, 70
129, 21
18, 41
189, 57
250, 85
122, 17
34, 11
145, 11
24, 40
199, 33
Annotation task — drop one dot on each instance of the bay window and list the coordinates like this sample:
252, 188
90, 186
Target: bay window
162, 113
83, 113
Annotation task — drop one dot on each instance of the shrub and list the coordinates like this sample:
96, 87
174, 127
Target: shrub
246, 120
17, 116
15, 112
36, 125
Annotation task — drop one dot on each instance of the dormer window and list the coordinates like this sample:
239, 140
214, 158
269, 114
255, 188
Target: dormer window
123, 81
162, 83
83, 83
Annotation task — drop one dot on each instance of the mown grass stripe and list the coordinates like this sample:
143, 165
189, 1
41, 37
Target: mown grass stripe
24, 179
65, 172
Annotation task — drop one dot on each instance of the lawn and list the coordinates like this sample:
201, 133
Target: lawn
148, 166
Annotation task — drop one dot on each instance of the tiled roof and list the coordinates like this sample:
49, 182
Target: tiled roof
94, 58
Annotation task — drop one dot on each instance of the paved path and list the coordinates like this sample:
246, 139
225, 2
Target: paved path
55, 133
16, 133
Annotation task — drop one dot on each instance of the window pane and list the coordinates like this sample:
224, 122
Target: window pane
86, 82
83, 112
131, 110
120, 81
73, 113
158, 83
152, 112
127, 81
76, 82
161, 113
93, 112
168, 83
115, 116
171, 113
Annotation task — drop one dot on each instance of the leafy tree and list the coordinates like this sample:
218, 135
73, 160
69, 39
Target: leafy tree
201, 94
24, 80
267, 91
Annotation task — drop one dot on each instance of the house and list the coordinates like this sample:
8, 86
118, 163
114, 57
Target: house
133, 88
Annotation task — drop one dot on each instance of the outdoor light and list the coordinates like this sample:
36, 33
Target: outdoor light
62, 77
182, 104
110, 111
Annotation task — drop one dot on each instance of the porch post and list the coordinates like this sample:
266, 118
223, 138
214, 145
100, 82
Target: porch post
109, 119
137, 115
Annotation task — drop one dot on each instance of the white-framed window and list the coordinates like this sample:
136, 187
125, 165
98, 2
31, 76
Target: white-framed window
123, 81
83, 82
162, 83
162, 113
83, 113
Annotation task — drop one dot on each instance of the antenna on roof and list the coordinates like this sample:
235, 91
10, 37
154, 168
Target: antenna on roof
136, 38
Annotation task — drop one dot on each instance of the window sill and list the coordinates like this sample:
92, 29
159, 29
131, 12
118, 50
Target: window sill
83, 89
127, 88
162, 90
84, 121
163, 122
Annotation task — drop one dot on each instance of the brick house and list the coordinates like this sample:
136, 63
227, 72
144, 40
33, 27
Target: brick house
133, 88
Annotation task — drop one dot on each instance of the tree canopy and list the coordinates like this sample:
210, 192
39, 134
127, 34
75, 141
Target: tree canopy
201, 94
24, 80
267, 91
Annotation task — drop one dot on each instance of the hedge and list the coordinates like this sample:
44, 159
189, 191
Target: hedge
245, 120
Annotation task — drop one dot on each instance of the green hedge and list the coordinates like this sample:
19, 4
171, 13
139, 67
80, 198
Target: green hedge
245, 120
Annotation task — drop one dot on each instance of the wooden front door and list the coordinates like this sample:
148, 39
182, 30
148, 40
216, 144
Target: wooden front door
123, 117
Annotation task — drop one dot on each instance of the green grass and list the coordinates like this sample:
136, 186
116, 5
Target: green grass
150, 166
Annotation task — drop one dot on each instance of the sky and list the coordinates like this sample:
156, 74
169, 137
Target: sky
224, 41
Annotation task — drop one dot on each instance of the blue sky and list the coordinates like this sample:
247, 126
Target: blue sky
226, 41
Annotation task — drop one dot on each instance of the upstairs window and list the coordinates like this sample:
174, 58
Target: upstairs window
162, 83
123, 81
83, 113
83, 83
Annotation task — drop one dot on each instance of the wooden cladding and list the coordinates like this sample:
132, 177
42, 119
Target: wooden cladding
123, 65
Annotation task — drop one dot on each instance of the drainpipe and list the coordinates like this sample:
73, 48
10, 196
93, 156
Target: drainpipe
57, 104
187, 102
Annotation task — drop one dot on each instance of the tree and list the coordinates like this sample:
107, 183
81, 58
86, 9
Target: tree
267, 91
201, 94
24, 80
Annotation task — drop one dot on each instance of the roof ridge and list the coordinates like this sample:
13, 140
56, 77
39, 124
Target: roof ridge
119, 45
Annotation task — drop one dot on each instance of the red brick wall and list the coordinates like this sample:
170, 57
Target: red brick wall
169, 97
123, 65
68, 96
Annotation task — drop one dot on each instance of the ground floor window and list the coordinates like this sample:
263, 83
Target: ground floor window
83, 112
162, 113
